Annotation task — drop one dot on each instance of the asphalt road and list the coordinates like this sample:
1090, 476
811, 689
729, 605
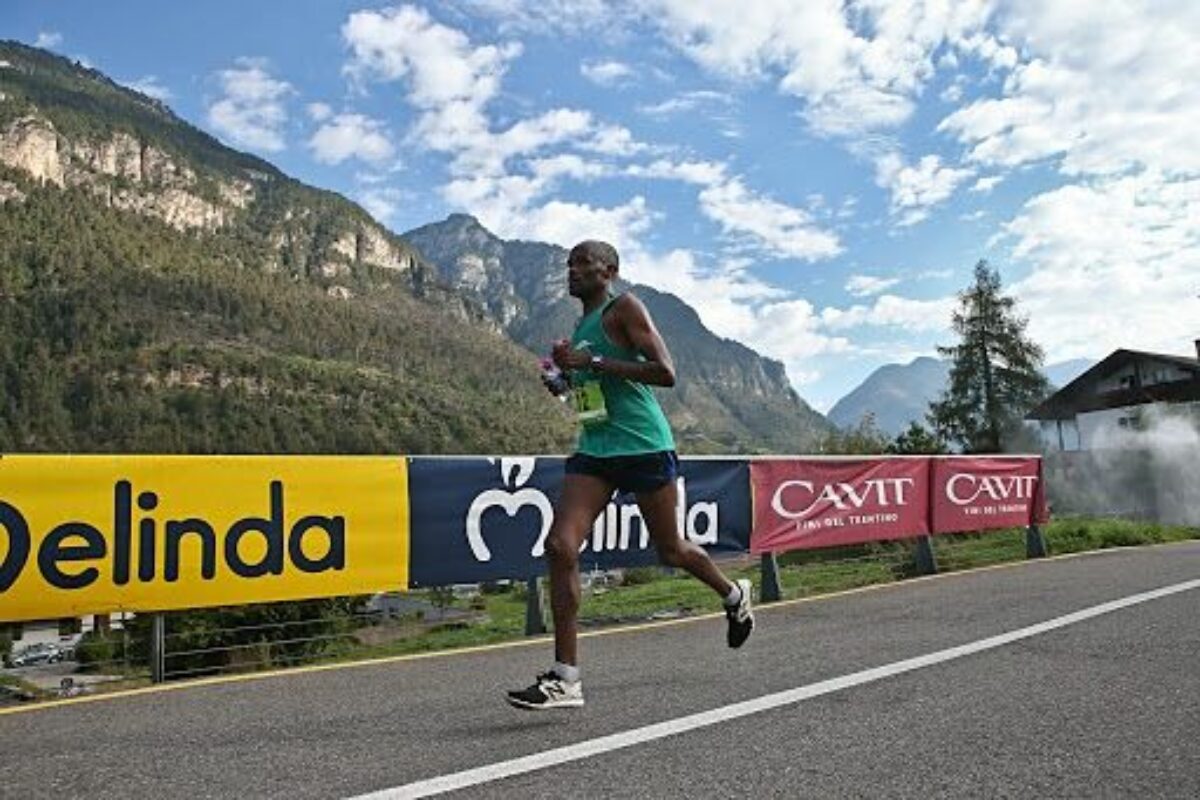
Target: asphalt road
1104, 707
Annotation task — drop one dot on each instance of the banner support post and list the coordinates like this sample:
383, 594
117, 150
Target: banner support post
1035, 542
535, 620
925, 557
769, 591
158, 650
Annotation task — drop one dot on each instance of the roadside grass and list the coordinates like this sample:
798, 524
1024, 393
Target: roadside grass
649, 593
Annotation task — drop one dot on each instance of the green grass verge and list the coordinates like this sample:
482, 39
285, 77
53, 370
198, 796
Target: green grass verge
653, 593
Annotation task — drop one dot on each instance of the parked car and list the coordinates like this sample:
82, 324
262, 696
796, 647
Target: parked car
39, 653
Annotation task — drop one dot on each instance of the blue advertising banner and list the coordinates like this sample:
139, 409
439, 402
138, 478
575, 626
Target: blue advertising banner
481, 519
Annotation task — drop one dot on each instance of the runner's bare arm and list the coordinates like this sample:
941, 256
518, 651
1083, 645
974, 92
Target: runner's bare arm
633, 328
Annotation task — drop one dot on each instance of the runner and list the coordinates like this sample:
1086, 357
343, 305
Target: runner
625, 444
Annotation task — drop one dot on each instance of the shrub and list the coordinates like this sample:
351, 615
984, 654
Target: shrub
97, 649
636, 576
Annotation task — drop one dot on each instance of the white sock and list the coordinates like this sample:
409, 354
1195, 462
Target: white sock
734, 597
568, 673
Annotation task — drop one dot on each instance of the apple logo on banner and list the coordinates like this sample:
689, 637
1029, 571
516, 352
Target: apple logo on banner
514, 473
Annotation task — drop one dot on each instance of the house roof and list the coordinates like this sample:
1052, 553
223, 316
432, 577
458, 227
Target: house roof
1075, 397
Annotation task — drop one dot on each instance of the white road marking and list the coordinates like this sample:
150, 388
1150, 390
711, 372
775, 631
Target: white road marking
649, 733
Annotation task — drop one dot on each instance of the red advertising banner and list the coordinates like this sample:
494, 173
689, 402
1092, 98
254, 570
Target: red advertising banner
810, 503
972, 494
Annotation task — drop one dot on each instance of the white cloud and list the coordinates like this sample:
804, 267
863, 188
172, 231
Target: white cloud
734, 304
1106, 87
566, 223
1103, 93
915, 189
595, 18
935, 274
751, 220
857, 68
952, 93
439, 63
383, 202
150, 86
703, 173
687, 101
319, 112
867, 285
351, 136
48, 40
252, 112
1115, 265
892, 311
986, 183
606, 73
776, 229
612, 140
451, 81
501, 176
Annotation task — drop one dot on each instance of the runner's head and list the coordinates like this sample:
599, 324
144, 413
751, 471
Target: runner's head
591, 267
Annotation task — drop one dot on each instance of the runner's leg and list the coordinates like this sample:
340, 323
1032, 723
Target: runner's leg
658, 512
583, 498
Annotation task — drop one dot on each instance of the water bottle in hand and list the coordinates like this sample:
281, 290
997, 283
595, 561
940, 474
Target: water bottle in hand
554, 379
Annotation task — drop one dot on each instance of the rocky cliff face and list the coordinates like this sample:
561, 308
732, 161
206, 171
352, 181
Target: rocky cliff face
727, 398
127, 174
66, 127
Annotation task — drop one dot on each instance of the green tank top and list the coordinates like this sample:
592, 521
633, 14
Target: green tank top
635, 422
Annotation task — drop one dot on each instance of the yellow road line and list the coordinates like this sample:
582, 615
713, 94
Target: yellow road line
526, 642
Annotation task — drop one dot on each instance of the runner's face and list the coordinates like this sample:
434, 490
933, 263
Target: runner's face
585, 275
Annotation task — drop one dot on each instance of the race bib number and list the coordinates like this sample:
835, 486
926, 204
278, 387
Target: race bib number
589, 403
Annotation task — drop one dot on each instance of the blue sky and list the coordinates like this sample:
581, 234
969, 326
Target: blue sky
816, 178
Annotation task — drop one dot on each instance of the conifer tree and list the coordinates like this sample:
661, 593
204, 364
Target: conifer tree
996, 374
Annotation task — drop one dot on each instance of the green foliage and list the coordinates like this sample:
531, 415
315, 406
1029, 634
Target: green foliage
996, 375
6, 643
1078, 534
120, 334
635, 576
865, 438
915, 441
248, 637
97, 651
442, 597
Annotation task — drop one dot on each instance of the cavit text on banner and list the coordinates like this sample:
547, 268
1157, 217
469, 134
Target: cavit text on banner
810, 503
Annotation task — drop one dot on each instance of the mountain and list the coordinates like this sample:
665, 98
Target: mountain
162, 292
896, 394
899, 394
727, 398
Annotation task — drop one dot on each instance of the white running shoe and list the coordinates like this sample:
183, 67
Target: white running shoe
549, 691
741, 619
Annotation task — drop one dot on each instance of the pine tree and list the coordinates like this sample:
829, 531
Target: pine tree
996, 375
917, 440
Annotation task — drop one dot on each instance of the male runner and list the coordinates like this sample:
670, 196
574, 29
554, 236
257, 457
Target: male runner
625, 443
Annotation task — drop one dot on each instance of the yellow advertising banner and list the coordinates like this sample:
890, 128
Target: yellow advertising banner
93, 534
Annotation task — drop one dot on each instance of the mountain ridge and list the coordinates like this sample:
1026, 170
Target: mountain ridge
210, 302
164, 293
727, 396
899, 394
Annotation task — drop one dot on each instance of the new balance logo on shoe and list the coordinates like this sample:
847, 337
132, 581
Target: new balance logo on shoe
739, 617
548, 691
